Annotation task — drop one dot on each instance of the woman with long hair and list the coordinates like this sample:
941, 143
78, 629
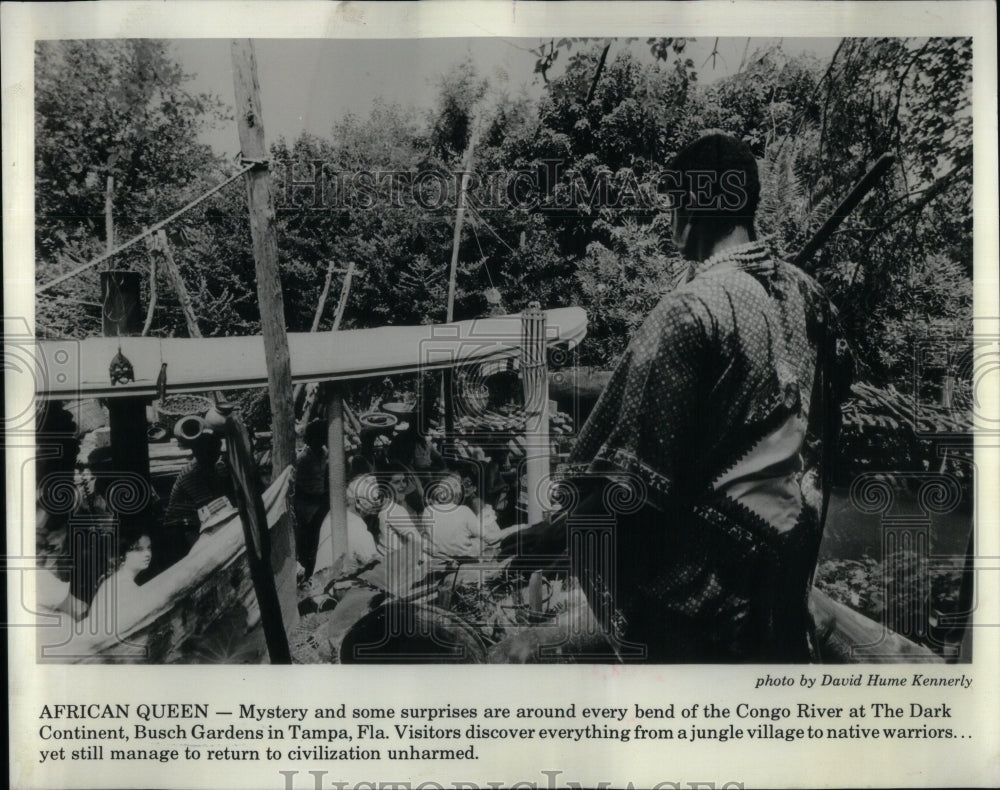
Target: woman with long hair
401, 519
119, 591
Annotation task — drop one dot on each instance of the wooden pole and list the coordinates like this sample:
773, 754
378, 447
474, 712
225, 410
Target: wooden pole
448, 378
459, 219
109, 218
536, 407
122, 315
317, 316
336, 469
310, 401
162, 243
253, 517
109, 221
265, 253
152, 297
174, 275
126, 416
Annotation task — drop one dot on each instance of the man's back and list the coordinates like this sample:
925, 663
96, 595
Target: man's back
718, 412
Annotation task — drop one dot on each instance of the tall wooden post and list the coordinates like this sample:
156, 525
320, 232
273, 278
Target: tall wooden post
265, 254
336, 469
122, 316
109, 215
448, 376
535, 379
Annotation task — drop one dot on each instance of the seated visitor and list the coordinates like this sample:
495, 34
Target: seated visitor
91, 523
200, 489
365, 459
400, 520
362, 501
454, 530
58, 447
117, 597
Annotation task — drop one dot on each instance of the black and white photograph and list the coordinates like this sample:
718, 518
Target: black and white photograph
684, 285
635, 351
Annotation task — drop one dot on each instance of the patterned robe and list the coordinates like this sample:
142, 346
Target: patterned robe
721, 416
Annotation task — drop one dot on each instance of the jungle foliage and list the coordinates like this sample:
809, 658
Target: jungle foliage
577, 227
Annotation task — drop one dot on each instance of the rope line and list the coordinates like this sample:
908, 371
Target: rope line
490, 229
482, 256
147, 232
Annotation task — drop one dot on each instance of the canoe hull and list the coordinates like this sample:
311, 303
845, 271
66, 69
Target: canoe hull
69, 369
201, 610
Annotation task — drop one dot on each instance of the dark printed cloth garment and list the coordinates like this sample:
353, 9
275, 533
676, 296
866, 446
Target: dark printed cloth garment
722, 413
195, 487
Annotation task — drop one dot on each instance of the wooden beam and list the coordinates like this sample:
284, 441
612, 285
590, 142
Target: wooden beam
265, 253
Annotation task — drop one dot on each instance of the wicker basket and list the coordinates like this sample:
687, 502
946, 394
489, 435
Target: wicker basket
173, 407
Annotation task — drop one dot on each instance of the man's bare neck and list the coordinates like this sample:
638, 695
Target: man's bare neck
735, 238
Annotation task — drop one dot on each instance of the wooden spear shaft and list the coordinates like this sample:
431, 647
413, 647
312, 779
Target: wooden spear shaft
847, 205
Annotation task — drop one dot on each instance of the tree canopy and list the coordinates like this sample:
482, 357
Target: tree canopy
564, 206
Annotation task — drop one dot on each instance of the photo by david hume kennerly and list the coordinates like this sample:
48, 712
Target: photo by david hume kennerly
504, 350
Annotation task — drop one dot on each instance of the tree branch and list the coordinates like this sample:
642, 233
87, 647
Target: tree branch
932, 192
152, 296
597, 73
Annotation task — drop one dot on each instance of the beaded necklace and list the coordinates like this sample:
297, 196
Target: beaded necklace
744, 256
